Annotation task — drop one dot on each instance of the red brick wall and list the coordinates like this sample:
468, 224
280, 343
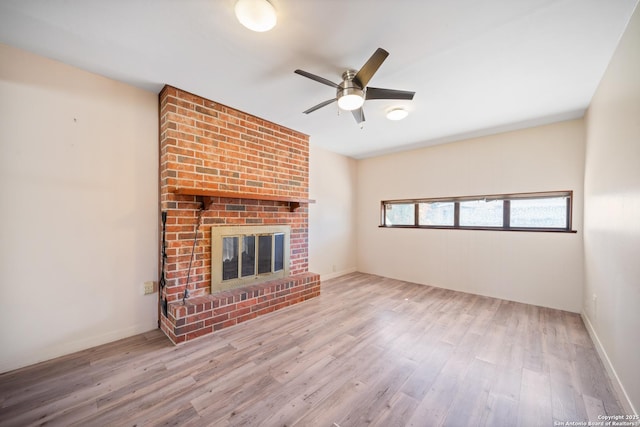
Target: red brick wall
208, 145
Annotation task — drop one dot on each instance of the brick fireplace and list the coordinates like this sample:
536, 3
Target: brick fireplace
220, 167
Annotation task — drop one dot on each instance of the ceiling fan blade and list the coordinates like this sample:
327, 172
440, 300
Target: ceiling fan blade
358, 115
316, 78
377, 93
370, 67
322, 104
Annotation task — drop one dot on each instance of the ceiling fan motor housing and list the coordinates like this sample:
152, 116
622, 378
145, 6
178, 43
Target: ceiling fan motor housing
349, 89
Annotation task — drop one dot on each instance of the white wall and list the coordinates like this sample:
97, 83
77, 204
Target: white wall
79, 209
537, 268
332, 219
612, 215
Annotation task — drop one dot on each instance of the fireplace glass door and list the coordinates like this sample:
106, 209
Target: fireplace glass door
264, 254
229, 258
248, 254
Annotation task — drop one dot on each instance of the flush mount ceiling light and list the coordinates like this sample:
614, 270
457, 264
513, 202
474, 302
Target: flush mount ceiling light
397, 113
256, 15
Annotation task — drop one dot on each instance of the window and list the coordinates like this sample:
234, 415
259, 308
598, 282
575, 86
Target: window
400, 214
547, 211
539, 213
436, 213
481, 213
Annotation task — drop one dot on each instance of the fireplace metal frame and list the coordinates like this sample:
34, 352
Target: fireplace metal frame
220, 231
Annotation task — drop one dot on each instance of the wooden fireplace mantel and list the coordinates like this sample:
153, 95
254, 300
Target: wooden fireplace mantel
204, 196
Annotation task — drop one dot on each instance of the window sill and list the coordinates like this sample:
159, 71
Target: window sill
444, 227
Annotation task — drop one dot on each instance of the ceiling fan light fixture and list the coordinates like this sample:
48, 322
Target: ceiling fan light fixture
397, 113
256, 15
351, 98
350, 102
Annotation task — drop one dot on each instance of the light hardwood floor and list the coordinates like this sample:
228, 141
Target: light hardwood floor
368, 351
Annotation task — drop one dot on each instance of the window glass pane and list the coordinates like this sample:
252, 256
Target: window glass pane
229, 258
248, 256
399, 214
279, 252
539, 213
480, 213
264, 254
436, 213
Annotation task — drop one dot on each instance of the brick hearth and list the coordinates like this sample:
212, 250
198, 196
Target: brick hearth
205, 314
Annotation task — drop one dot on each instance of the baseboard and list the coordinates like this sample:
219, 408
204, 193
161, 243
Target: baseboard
337, 273
66, 348
623, 397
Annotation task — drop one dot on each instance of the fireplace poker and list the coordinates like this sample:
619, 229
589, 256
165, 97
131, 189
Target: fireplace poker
163, 249
193, 249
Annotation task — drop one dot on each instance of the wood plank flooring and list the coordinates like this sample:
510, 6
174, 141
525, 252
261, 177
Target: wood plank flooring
369, 351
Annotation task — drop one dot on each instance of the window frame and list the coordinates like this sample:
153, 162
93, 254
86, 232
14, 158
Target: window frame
506, 211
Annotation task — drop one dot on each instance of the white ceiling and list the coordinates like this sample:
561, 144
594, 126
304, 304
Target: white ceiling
477, 67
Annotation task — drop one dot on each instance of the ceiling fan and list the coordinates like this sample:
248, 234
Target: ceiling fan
353, 91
